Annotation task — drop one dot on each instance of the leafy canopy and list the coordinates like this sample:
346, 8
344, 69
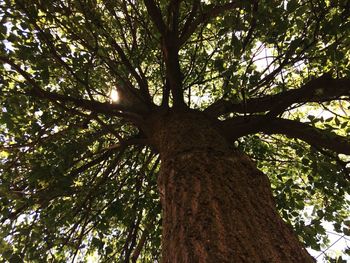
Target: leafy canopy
78, 179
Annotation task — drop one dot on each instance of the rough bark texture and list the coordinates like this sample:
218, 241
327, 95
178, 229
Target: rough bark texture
217, 206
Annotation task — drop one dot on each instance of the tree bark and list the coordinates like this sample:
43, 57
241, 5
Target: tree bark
217, 206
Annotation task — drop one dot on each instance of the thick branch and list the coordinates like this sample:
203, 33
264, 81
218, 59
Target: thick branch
191, 16
170, 47
141, 81
213, 11
156, 15
241, 126
313, 136
253, 24
173, 15
318, 90
173, 70
140, 245
94, 106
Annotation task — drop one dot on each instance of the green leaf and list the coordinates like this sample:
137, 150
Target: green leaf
97, 242
15, 259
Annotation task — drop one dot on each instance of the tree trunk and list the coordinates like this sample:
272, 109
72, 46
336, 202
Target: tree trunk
217, 206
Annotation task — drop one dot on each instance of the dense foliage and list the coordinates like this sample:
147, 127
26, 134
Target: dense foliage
77, 179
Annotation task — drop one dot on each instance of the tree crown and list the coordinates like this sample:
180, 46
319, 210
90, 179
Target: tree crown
78, 174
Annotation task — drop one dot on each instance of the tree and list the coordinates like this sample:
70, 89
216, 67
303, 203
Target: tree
208, 91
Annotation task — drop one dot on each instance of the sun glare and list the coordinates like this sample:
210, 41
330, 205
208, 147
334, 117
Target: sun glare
114, 95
